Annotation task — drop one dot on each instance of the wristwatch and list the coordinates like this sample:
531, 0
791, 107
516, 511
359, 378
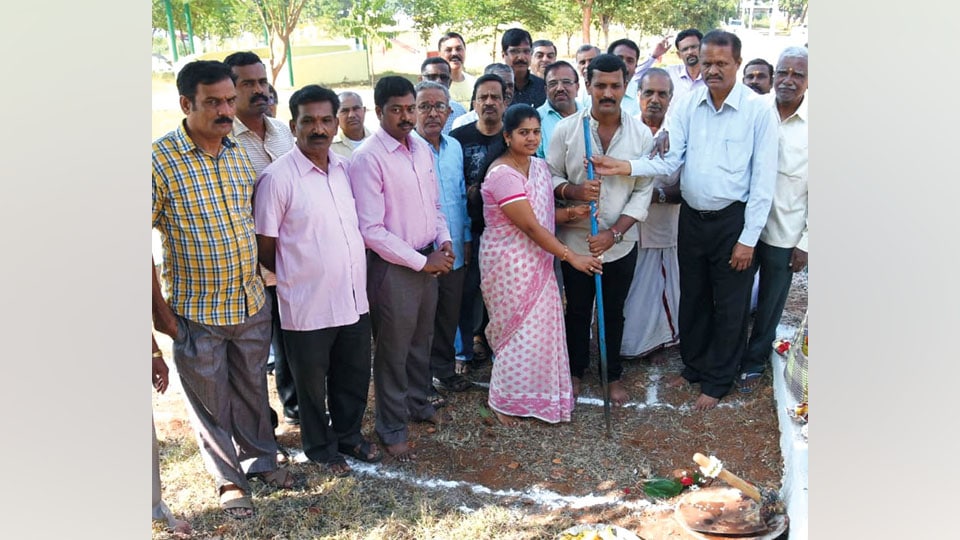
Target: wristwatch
661, 196
617, 235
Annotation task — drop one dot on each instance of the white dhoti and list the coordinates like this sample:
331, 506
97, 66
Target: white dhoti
652, 306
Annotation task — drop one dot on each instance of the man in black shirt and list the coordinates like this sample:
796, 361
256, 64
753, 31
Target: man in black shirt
517, 50
476, 138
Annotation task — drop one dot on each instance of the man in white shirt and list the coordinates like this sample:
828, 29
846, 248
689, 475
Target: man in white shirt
782, 248
686, 75
652, 306
453, 49
264, 139
622, 202
352, 132
725, 137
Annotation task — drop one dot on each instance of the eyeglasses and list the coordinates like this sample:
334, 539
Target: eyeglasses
557, 82
436, 76
518, 51
440, 107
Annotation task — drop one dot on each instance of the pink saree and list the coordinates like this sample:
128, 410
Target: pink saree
531, 371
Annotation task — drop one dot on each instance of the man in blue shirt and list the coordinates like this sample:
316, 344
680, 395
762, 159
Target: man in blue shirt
725, 135
437, 69
563, 83
433, 107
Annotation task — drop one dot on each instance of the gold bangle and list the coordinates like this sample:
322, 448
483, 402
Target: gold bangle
566, 250
571, 217
563, 190
158, 353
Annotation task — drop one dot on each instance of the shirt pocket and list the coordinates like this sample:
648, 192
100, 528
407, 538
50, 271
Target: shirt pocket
792, 160
736, 156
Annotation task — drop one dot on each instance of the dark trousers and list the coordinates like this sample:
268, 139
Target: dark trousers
403, 306
714, 298
330, 365
286, 389
449, 296
223, 371
581, 291
473, 314
775, 280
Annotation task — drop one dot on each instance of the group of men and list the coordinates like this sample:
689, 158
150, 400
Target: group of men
358, 234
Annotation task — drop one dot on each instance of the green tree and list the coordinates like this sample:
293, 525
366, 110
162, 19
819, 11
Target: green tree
363, 20
280, 18
210, 18
796, 10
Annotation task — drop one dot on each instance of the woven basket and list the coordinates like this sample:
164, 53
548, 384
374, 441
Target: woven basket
795, 372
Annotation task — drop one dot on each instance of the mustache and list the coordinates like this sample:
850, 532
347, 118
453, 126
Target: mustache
608, 100
405, 125
259, 97
318, 137
457, 58
223, 120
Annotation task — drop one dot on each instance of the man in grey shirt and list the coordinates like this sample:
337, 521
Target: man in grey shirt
725, 135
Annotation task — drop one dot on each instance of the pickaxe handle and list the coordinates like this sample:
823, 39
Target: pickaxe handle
746, 487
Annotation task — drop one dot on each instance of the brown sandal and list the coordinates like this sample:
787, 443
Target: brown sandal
280, 478
235, 503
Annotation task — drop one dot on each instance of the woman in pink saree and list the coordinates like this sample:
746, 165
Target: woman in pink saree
531, 374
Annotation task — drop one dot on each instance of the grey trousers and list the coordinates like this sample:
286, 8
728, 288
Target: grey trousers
403, 305
444, 349
223, 373
775, 281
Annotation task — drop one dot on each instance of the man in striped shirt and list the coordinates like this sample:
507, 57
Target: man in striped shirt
217, 313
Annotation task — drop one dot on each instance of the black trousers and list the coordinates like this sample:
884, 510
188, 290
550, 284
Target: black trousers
444, 349
286, 389
714, 298
330, 366
581, 291
473, 313
775, 280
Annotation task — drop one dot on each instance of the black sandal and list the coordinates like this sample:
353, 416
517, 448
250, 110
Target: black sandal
456, 383
365, 451
436, 399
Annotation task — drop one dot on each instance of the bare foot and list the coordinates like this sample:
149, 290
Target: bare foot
657, 357
507, 420
677, 381
618, 394
576, 386
439, 419
401, 452
461, 367
180, 527
705, 403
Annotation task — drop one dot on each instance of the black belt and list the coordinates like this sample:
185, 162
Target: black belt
707, 215
426, 251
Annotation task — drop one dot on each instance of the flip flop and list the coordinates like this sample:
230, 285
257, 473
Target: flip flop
749, 382
365, 451
455, 383
436, 399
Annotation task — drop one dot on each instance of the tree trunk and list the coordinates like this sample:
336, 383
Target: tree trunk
605, 27
493, 51
587, 6
277, 57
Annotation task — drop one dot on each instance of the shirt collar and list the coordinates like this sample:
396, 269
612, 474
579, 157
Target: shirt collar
305, 166
801, 111
340, 137
734, 99
443, 140
185, 144
390, 143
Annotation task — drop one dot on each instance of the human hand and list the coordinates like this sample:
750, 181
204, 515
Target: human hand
798, 260
601, 242
589, 191
608, 166
661, 144
439, 263
160, 375
578, 212
586, 264
741, 258
661, 47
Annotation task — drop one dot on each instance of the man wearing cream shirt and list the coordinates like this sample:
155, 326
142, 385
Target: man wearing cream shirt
782, 249
623, 201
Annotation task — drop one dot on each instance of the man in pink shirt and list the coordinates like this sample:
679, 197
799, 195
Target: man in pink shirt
308, 233
395, 184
